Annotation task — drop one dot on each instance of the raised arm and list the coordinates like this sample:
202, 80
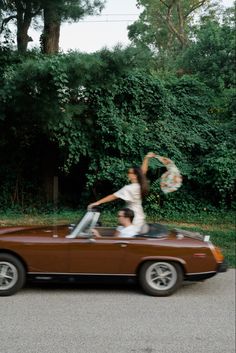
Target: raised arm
144, 165
108, 198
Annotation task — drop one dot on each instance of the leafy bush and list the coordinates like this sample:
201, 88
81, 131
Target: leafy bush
94, 115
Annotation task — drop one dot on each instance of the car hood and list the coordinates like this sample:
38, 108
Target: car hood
45, 231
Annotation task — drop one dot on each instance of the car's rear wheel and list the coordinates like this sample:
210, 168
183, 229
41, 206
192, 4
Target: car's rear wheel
12, 275
160, 278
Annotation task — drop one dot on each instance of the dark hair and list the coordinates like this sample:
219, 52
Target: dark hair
142, 180
128, 213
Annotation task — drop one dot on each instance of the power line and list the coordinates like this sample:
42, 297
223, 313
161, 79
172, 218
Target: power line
127, 20
111, 20
117, 14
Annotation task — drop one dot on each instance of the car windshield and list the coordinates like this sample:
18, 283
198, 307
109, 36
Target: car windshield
84, 227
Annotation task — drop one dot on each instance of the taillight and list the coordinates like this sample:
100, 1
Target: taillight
217, 253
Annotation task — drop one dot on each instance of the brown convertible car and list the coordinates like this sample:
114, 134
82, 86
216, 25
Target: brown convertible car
160, 259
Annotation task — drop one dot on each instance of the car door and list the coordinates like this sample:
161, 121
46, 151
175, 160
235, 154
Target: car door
97, 255
45, 254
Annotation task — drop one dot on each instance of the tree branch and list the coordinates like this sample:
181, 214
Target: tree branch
19, 5
170, 24
163, 2
194, 7
5, 21
180, 17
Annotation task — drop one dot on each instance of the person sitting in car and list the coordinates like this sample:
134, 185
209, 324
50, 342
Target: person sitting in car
125, 229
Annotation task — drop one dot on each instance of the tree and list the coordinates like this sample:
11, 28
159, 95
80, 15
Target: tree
211, 55
164, 23
54, 13
23, 11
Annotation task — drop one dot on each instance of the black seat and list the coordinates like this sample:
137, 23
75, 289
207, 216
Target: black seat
153, 230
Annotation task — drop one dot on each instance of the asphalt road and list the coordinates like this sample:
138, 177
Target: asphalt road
117, 318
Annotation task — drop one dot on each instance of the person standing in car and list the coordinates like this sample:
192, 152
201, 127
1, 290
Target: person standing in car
132, 193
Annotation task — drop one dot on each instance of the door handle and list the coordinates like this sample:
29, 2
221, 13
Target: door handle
91, 240
123, 244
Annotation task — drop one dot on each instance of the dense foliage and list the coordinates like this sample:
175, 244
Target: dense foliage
164, 25
87, 117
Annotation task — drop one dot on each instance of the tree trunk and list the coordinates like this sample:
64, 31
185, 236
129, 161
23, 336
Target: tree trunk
24, 17
51, 31
22, 36
177, 29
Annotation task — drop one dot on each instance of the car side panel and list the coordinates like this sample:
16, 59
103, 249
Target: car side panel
106, 255
194, 259
40, 254
96, 256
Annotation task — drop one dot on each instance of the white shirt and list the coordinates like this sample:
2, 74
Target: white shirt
127, 232
132, 195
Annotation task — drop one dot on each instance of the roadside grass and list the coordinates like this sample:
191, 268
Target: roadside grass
220, 226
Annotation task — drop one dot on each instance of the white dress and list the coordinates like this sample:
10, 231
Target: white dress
132, 195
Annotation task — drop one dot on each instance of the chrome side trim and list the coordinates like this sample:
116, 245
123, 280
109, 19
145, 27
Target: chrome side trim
198, 273
80, 274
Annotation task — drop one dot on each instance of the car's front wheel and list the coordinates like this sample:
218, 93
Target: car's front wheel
12, 275
160, 278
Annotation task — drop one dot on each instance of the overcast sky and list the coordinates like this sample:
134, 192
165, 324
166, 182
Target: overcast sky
96, 32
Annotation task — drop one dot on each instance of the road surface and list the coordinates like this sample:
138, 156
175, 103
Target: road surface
119, 318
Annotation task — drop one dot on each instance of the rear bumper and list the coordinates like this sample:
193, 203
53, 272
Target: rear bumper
222, 267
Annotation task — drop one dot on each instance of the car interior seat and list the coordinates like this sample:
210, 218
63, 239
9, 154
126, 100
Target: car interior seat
153, 230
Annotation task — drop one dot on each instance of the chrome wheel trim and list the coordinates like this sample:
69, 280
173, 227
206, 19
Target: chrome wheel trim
161, 276
8, 275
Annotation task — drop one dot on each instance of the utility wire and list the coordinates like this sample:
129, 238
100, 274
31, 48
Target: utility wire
117, 14
127, 20
111, 20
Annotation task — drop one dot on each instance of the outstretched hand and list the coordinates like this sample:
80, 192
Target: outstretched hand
144, 165
96, 233
151, 155
91, 205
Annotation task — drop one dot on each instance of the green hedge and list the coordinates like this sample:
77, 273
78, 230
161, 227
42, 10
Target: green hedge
89, 117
